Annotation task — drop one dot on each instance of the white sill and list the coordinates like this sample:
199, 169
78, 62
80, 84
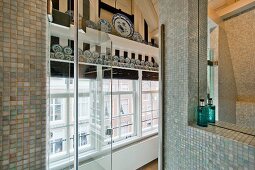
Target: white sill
63, 163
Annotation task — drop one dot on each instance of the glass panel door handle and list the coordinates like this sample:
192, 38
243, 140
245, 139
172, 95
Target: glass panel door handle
108, 131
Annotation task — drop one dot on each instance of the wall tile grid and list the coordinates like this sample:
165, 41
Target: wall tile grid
245, 114
242, 55
22, 84
187, 147
227, 91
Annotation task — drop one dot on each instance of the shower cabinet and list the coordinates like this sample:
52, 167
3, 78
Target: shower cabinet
96, 103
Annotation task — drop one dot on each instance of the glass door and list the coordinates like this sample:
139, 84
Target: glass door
80, 72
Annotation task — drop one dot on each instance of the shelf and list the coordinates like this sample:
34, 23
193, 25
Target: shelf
92, 64
97, 37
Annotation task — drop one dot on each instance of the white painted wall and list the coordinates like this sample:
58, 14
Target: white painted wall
128, 158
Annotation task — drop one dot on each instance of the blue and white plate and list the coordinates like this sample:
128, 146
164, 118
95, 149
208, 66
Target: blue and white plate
137, 62
104, 26
80, 52
137, 37
87, 53
59, 55
56, 48
116, 58
123, 25
122, 59
68, 50
95, 55
127, 60
90, 24
132, 61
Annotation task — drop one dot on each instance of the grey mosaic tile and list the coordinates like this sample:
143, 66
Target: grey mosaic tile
23, 80
187, 147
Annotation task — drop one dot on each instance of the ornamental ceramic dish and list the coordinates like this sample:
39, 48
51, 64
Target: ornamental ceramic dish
95, 55
122, 59
104, 26
127, 60
137, 37
68, 50
90, 24
132, 61
80, 52
137, 62
123, 25
87, 53
56, 48
59, 55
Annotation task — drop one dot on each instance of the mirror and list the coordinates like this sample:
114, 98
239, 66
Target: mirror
231, 60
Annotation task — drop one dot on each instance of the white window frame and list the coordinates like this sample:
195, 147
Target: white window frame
94, 148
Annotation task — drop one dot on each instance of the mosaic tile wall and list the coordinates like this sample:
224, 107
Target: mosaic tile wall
241, 39
245, 114
227, 92
22, 84
186, 147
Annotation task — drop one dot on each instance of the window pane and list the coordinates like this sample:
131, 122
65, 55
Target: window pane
146, 85
154, 85
155, 101
115, 126
126, 104
146, 102
155, 118
58, 141
127, 125
125, 85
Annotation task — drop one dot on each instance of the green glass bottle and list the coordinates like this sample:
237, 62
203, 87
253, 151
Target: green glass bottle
211, 111
202, 114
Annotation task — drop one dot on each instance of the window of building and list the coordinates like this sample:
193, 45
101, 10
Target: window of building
127, 106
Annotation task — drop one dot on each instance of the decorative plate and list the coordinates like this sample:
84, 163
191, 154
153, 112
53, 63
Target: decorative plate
142, 62
123, 25
67, 57
102, 56
127, 60
95, 55
151, 64
59, 55
137, 37
99, 61
137, 62
132, 65
82, 58
107, 57
68, 50
52, 55
80, 52
90, 24
104, 26
106, 62
132, 61
56, 48
147, 63
115, 63
116, 58
122, 59
87, 53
